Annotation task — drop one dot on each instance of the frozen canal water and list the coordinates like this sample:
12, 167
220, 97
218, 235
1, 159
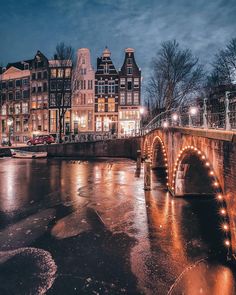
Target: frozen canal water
79, 227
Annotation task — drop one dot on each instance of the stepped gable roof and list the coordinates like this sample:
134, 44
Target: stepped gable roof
105, 62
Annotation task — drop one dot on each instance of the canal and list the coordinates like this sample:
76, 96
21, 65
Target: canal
88, 227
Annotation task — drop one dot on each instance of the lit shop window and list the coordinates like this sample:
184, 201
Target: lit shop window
101, 105
129, 98
98, 124
111, 104
106, 124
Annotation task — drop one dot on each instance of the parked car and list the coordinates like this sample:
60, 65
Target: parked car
41, 139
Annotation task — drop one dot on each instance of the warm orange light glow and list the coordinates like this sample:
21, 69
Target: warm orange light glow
222, 211
227, 243
211, 173
207, 164
219, 197
216, 183
199, 152
203, 157
225, 227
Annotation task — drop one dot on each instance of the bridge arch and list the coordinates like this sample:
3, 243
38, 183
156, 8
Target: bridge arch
146, 149
193, 174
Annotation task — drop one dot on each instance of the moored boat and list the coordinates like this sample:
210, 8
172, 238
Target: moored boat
27, 155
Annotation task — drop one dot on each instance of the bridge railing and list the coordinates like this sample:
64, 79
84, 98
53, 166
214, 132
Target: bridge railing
222, 116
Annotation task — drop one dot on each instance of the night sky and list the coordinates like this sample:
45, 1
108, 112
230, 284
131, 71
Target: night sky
29, 25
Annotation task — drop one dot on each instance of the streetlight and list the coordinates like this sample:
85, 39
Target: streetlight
192, 112
165, 124
141, 111
9, 123
174, 118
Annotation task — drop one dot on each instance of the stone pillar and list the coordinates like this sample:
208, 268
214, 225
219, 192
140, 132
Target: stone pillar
147, 175
205, 123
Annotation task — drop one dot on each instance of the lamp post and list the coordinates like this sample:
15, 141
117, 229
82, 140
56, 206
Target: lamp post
9, 123
192, 112
141, 111
174, 118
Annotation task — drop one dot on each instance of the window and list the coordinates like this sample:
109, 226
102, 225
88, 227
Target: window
45, 75
106, 124
52, 100
129, 60
111, 104
33, 105
53, 85
17, 109
129, 70
67, 84
25, 125
33, 76
18, 129
111, 86
101, 105
122, 82
83, 60
10, 96
53, 73
18, 83
59, 85
129, 86
90, 84
83, 71
10, 84
4, 85
90, 98
136, 98
122, 98
26, 66
98, 124
24, 108
26, 94
101, 87
4, 110
67, 72
129, 98
83, 98
18, 94
39, 75
39, 102
106, 69
136, 82
45, 87
60, 73
39, 89
67, 100
25, 82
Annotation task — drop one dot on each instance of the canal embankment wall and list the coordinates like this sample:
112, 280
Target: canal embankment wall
123, 148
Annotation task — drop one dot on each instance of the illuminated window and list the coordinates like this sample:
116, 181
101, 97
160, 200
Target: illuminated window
67, 72
122, 98
136, 82
122, 82
111, 104
60, 73
129, 98
4, 110
101, 105
98, 124
33, 105
106, 124
53, 73
25, 108
90, 99
17, 109
136, 98
18, 127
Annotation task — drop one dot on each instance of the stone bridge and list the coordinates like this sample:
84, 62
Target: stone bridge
198, 162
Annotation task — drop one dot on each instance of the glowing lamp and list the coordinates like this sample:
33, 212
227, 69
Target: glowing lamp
225, 227
222, 211
219, 197
165, 124
193, 111
174, 117
227, 243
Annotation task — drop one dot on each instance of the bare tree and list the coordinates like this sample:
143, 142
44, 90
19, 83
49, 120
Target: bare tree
176, 76
224, 65
63, 60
